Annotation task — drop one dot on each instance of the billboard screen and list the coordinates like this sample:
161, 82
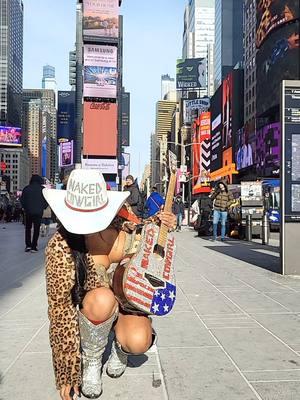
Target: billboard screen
106, 166
278, 59
100, 71
273, 13
125, 167
245, 149
125, 119
268, 150
193, 108
191, 73
227, 100
216, 130
101, 18
66, 116
100, 129
66, 153
201, 153
10, 136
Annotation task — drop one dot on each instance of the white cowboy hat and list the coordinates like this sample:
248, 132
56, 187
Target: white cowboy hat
86, 206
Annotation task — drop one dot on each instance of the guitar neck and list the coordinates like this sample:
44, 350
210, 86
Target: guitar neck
163, 232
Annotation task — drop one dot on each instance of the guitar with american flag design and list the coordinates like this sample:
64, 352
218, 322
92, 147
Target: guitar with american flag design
145, 282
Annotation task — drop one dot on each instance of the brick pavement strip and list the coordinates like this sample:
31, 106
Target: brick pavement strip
234, 332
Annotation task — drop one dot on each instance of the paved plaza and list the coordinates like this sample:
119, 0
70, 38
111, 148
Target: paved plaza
234, 333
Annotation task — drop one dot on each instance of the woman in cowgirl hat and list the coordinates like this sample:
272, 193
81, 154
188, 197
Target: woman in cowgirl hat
82, 307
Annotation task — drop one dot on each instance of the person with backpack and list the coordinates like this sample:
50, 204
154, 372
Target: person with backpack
153, 203
135, 200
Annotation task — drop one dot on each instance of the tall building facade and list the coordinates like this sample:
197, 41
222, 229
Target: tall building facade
39, 125
165, 113
168, 86
250, 64
49, 80
228, 50
11, 62
199, 35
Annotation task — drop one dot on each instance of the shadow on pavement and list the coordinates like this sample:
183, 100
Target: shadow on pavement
250, 253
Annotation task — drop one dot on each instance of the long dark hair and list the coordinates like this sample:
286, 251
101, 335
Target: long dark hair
78, 249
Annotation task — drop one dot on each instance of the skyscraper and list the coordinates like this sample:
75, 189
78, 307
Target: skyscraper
228, 38
39, 123
11, 62
167, 86
199, 35
250, 63
49, 80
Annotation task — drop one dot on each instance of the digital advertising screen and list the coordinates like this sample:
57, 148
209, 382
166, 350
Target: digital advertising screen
272, 14
201, 153
126, 119
101, 18
66, 154
268, 150
66, 116
216, 130
193, 108
100, 71
10, 136
100, 129
191, 73
227, 99
245, 149
277, 59
291, 150
125, 165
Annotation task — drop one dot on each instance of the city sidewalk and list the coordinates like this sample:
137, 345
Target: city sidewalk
234, 333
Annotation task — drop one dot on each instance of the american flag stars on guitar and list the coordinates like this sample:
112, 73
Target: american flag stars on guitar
163, 300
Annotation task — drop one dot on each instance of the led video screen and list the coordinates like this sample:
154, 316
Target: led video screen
277, 59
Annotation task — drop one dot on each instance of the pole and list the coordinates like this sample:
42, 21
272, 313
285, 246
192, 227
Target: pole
249, 227
183, 192
190, 201
265, 229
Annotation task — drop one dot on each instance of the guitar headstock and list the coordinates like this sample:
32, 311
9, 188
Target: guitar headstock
172, 162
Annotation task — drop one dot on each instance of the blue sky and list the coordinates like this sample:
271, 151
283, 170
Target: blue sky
152, 42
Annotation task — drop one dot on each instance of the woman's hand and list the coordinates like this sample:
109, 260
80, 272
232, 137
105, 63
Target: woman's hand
168, 219
66, 392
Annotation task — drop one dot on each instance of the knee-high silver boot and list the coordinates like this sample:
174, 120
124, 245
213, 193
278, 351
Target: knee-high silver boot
117, 362
93, 342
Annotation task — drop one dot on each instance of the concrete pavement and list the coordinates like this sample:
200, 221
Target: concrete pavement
234, 333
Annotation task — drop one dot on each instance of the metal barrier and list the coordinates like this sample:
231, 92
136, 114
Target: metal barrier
249, 227
265, 229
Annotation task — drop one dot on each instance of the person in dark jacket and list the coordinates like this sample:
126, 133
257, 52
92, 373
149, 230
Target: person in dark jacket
178, 210
222, 200
154, 203
33, 203
135, 199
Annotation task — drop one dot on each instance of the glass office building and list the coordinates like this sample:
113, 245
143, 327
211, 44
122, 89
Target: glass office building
228, 38
11, 62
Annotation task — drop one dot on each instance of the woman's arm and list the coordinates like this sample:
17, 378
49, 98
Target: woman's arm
64, 330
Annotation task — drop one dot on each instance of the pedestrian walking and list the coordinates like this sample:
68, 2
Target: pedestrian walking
46, 220
82, 306
154, 203
222, 200
178, 210
33, 203
135, 199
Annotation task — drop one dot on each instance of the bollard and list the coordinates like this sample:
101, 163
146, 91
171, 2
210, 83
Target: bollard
249, 227
265, 229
